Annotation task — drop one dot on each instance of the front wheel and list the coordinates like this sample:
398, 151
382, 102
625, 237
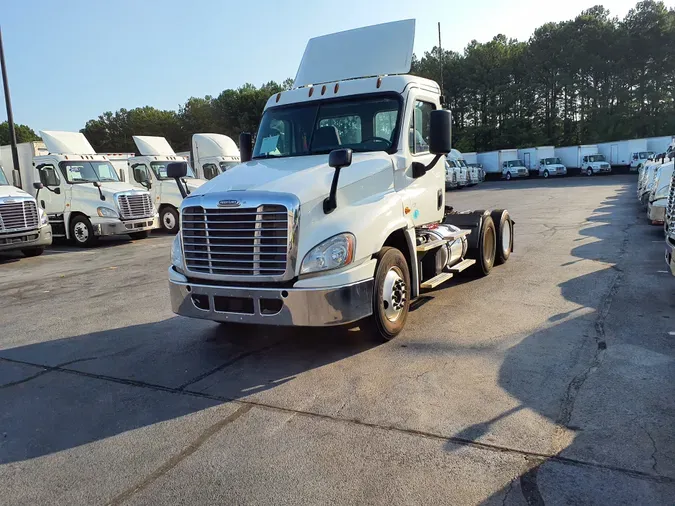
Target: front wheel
546, 174
33, 252
81, 232
391, 294
169, 218
589, 172
508, 176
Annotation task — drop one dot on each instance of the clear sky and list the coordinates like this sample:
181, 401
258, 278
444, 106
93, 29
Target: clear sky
71, 60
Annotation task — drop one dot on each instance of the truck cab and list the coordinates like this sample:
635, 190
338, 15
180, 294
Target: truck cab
669, 226
213, 154
594, 164
639, 158
552, 166
149, 171
514, 168
659, 193
23, 225
339, 215
83, 195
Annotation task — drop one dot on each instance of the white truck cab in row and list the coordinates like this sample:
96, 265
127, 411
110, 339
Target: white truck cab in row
23, 225
82, 193
669, 225
586, 158
148, 171
337, 214
213, 154
659, 193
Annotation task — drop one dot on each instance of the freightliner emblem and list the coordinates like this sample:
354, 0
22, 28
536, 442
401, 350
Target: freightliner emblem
229, 203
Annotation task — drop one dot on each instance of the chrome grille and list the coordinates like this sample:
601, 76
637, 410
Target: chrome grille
19, 215
135, 206
670, 209
250, 241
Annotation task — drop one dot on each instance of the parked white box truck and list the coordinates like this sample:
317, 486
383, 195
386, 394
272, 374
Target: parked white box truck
585, 158
282, 239
504, 162
626, 153
23, 225
82, 195
541, 160
148, 170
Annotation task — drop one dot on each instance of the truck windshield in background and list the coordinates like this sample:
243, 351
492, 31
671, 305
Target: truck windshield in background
80, 171
551, 161
643, 155
159, 168
3, 178
362, 124
596, 158
514, 163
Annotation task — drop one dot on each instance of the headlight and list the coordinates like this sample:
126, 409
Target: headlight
106, 212
177, 253
43, 216
332, 253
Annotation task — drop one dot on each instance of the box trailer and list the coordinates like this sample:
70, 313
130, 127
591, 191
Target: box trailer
471, 158
492, 161
26, 152
626, 153
659, 144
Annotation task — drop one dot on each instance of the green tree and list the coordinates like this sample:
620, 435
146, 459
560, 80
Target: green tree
23, 133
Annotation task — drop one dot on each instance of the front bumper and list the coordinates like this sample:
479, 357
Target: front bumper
107, 226
656, 213
27, 239
598, 170
310, 307
670, 253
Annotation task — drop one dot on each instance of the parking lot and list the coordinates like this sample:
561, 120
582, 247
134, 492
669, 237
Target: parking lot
548, 382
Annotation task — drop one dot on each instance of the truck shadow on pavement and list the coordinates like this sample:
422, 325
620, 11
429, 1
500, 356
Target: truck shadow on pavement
102, 384
613, 405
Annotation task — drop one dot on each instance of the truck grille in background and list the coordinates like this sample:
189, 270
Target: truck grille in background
21, 215
670, 209
236, 242
135, 206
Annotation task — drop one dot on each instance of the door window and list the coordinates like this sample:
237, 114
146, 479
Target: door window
418, 138
140, 173
210, 170
49, 176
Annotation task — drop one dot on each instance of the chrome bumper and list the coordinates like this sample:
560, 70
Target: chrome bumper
310, 307
103, 227
670, 253
27, 239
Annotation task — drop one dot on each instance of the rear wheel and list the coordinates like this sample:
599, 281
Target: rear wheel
33, 252
504, 225
391, 294
81, 232
169, 218
487, 248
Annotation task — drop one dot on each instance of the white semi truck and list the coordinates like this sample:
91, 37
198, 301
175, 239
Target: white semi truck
504, 162
148, 171
23, 225
82, 193
669, 226
541, 160
213, 154
658, 195
339, 216
585, 158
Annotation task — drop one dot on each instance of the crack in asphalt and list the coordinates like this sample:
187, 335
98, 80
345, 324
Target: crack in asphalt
536, 456
653, 456
530, 489
508, 491
177, 459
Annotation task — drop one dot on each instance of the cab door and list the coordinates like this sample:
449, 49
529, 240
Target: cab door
424, 196
54, 198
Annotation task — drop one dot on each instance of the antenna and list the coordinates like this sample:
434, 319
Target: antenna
440, 61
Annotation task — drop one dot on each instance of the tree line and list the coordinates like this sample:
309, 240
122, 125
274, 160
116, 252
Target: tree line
591, 79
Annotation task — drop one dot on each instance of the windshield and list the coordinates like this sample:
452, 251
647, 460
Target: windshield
514, 163
462, 163
451, 163
645, 154
3, 178
552, 161
362, 124
227, 165
81, 171
596, 158
159, 168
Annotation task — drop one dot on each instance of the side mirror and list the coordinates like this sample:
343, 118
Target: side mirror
440, 132
96, 184
176, 170
38, 186
338, 158
246, 146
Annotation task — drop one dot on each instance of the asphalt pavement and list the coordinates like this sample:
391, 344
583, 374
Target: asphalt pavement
548, 382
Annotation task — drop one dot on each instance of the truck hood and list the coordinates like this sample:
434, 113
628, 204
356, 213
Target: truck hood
9, 191
307, 177
108, 189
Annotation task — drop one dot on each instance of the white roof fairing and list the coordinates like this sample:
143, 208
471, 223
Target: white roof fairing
374, 50
66, 143
213, 145
152, 146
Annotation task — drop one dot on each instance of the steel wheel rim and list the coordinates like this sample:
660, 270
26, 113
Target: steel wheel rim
506, 237
489, 246
81, 232
545, 173
169, 221
394, 294
589, 172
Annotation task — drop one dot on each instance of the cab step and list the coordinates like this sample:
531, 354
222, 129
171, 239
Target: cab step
462, 266
427, 246
436, 280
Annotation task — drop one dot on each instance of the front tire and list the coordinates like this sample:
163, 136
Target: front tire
508, 176
391, 295
82, 233
169, 219
33, 252
546, 174
589, 171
